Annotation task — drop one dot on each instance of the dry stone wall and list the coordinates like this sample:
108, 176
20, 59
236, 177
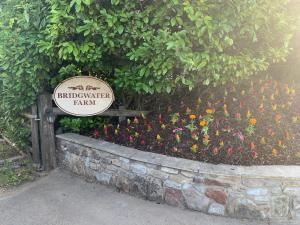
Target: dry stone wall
258, 192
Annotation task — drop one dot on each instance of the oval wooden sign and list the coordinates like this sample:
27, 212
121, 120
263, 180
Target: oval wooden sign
83, 96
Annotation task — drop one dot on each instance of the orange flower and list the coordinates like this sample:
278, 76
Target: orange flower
209, 111
206, 140
202, 123
274, 152
192, 116
278, 118
252, 121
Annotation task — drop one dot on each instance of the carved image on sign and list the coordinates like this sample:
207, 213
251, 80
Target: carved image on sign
83, 96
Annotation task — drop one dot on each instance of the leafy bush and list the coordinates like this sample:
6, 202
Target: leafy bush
157, 46
138, 46
22, 68
81, 125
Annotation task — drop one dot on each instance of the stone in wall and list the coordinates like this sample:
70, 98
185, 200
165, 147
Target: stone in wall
244, 208
218, 195
195, 198
173, 194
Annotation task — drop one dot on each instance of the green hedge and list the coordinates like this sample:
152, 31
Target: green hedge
138, 46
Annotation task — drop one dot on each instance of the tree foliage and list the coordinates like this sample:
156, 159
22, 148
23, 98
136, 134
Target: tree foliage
138, 46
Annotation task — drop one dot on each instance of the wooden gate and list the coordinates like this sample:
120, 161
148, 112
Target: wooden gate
41, 118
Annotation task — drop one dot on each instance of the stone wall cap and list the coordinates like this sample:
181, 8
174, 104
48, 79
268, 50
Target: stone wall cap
276, 171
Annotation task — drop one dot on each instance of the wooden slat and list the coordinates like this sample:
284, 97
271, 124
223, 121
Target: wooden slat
30, 116
47, 135
111, 112
36, 157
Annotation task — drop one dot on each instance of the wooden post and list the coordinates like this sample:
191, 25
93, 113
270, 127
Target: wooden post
36, 156
47, 135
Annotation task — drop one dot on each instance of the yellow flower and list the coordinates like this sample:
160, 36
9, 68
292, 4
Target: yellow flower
221, 143
248, 114
158, 138
177, 137
274, 107
136, 134
209, 111
143, 116
252, 121
263, 141
217, 133
199, 101
194, 148
292, 91
136, 121
202, 123
163, 126
295, 119
195, 137
192, 116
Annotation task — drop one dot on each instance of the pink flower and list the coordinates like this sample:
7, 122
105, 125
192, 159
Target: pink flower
229, 151
178, 129
130, 138
238, 116
240, 136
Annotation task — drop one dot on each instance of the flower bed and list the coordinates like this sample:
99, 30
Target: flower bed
256, 123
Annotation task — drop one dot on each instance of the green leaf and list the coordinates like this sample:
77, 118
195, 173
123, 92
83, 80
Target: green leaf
120, 29
115, 2
168, 89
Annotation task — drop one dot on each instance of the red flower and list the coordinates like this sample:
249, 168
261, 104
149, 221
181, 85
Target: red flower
96, 134
142, 141
254, 154
105, 130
